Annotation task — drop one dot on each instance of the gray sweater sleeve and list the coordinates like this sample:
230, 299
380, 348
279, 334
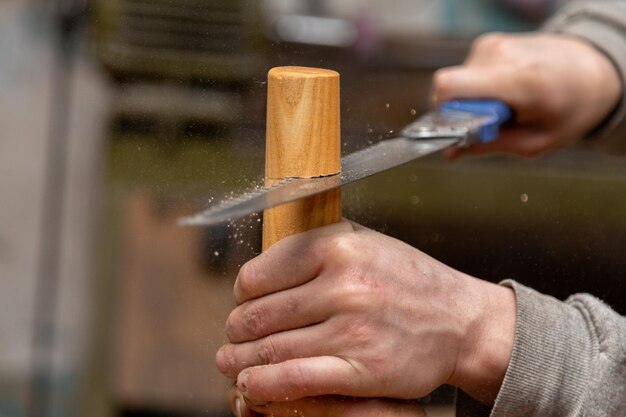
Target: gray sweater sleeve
603, 24
569, 359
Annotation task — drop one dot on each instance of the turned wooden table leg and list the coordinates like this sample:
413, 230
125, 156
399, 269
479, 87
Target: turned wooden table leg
303, 141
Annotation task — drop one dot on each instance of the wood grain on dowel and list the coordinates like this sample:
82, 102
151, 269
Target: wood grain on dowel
303, 141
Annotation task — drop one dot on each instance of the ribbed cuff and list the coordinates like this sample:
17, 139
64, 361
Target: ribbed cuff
550, 362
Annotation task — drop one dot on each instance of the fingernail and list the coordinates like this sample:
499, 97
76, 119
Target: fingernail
242, 382
238, 407
219, 358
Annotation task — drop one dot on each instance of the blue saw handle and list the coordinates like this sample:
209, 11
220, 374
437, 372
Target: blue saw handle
496, 112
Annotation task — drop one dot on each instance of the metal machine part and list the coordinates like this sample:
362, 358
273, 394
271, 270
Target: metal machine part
194, 39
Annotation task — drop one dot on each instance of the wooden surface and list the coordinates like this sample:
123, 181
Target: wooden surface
303, 141
169, 314
303, 128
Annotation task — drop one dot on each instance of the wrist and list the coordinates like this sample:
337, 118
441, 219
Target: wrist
485, 353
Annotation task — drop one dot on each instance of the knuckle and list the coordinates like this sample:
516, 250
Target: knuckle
293, 305
492, 46
492, 42
268, 353
295, 378
253, 320
245, 323
344, 247
359, 291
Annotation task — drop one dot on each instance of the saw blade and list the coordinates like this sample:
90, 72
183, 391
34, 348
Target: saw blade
361, 164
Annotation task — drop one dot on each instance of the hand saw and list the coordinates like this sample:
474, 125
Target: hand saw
455, 123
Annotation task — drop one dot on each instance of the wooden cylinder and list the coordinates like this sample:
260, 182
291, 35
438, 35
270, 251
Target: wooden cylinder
303, 141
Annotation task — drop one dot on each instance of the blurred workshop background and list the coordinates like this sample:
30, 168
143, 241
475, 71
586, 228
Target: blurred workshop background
119, 116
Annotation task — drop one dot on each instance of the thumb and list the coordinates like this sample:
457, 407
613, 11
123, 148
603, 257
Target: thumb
333, 406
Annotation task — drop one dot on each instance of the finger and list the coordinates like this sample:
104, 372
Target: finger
232, 359
522, 142
293, 261
477, 83
278, 312
334, 406
300, 378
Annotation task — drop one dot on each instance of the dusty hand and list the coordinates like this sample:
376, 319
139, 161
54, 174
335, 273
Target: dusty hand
560, 88
325, 407
344, 310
